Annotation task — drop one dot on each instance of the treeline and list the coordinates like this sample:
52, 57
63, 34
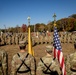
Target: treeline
64, 24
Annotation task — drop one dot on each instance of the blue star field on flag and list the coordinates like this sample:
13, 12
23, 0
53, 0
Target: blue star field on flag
57, 44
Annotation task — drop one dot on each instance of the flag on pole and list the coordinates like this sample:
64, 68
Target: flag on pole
58, 51
30, 49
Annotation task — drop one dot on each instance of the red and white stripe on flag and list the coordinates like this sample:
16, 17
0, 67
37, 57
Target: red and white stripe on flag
58, 51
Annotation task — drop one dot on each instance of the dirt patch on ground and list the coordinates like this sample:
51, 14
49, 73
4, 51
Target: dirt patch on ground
39, 50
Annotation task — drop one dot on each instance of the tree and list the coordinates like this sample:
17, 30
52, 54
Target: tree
75, 25
24, 27
73, 16
37, 26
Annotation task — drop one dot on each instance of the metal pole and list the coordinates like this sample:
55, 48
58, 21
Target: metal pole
5, 28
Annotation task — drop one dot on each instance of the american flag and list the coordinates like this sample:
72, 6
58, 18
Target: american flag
58, 54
